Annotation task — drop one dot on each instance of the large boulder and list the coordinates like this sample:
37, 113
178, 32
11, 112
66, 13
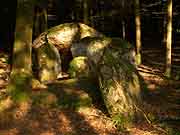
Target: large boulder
113, 60
49, 63
79, 67
93, 47
92, 44
62, 36
119, 83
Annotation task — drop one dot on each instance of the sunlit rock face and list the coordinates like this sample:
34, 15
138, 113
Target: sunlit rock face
62, 36
93, 48
49, 62
90, 46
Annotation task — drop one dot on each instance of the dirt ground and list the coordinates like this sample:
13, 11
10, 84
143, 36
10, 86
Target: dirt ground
163, 101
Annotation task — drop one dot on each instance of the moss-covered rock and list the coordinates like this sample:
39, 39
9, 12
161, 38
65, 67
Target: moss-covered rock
119, 84
65, 34
93, 47
79, 67
89, 46
113, 60
49, 62
61, 37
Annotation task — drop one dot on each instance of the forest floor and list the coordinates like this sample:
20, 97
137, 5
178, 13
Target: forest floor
80, 110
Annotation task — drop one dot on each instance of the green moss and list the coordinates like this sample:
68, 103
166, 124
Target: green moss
20, 86
122, 121
79, 67
48, 51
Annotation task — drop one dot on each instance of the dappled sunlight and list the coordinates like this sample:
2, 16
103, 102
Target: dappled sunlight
65, 35
42, 121
88, 31
48, 133
65, 125
97, 68
5, 104
21, 111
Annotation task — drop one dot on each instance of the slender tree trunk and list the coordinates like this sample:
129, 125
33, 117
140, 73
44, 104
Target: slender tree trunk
91, 18
123, 29
164, 31
40, 21
169, 40
123, 20
20, 79
138, 31
85, 12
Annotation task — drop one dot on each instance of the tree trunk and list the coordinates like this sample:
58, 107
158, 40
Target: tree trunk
169, 40
40, 21
20, 79
85, 11
123, 29
138, 31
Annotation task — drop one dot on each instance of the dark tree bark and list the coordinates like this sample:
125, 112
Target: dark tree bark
20, 79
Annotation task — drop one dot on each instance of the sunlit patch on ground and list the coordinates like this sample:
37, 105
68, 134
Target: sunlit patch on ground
87, 120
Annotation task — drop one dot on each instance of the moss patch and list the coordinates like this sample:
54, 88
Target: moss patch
79, 67
20, 86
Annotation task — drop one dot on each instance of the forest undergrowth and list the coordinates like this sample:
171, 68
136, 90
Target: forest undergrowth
73, 107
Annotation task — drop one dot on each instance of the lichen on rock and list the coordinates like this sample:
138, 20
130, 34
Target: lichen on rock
49, 62
79, 67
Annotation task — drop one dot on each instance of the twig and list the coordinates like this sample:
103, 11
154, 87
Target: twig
149, 121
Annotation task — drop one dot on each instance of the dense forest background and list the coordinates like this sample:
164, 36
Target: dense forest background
68, 65
101, 15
